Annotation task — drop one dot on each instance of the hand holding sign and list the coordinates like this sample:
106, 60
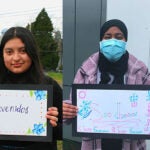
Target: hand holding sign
69, 111
52, 115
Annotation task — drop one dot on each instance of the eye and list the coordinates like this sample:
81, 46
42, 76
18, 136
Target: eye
119, 36
107, 36
22, 51
8, 51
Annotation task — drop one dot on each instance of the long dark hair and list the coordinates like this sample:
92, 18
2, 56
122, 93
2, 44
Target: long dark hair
35, 72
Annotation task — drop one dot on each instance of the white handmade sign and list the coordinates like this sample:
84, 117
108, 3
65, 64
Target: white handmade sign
23, 111
104, 110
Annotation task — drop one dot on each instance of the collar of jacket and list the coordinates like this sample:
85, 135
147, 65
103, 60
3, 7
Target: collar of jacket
135, 69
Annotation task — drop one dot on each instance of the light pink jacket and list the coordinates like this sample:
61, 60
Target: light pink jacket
137, 74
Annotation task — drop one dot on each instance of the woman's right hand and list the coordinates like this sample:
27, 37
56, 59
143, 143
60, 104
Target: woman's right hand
69, 111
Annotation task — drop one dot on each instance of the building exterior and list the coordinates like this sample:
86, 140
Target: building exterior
81, 25
82, 20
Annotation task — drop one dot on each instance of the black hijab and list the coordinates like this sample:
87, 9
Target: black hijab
118, 68
116, 23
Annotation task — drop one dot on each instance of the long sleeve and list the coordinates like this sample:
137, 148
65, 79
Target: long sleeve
57, 102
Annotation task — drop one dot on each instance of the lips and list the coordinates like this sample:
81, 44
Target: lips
17, 65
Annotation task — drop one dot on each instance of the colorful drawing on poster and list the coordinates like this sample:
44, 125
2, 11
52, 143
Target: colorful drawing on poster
113, 111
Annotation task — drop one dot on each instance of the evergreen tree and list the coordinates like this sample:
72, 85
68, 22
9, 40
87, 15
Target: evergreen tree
58, 39
42, 30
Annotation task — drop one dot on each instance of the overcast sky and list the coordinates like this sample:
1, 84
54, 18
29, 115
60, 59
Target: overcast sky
136, 15
22, 12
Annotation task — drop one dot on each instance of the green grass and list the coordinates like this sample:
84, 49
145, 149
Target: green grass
57, 76
59, 145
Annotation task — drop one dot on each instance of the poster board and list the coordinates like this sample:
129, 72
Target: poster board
22, 112
112, 111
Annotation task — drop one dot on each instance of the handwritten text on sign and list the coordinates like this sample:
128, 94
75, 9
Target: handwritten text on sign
113, 111
22, 112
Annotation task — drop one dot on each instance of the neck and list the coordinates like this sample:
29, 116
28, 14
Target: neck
17, 78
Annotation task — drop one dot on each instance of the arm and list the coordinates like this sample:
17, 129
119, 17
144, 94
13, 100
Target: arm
55, 113
57, 102
69, 110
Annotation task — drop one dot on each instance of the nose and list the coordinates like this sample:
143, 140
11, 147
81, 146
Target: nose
16, 56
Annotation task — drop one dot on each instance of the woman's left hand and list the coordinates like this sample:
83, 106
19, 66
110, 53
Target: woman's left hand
52, 115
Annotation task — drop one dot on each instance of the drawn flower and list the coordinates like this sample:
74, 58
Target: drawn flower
85, 109
40, 95
38, 129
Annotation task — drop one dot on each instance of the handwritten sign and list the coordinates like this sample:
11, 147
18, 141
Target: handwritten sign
22, 112
109, 110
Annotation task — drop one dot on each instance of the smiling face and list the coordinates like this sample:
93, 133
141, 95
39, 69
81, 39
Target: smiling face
15, 56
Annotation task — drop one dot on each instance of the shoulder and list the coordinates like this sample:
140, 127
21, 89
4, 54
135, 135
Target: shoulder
49, 80
93, 59
135, 62
90, 64
88, 69
135, 65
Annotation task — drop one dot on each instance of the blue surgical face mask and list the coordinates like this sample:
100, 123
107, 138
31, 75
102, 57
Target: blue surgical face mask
113, 49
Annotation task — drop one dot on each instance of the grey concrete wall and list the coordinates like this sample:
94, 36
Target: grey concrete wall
81, 24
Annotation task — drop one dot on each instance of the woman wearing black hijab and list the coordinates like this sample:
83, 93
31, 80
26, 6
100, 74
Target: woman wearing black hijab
112, 64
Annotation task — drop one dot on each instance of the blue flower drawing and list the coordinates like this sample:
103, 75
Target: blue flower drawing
38, 128
85, 109
40, 95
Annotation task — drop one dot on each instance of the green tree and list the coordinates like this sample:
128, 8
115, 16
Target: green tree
58, 39
42, 30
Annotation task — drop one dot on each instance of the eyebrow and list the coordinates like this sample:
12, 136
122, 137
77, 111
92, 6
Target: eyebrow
7, 48
114, 34
11, 49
